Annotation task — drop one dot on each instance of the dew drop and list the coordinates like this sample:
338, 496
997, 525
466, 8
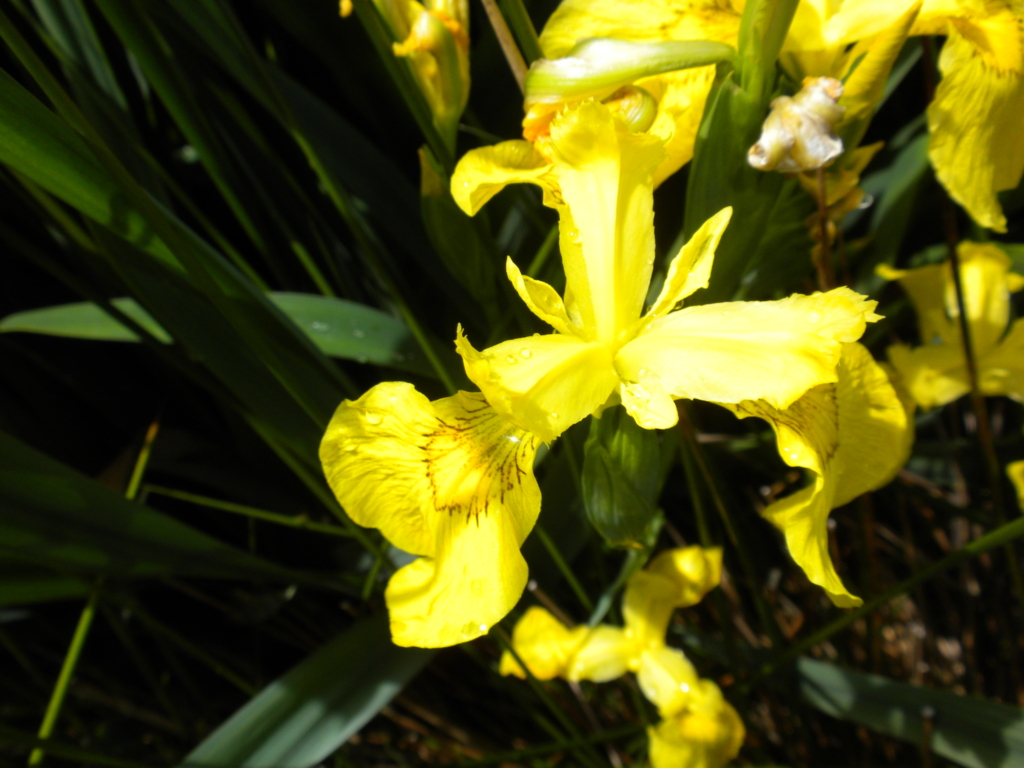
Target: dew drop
465, 184
684, 687
483, 627
316, 325
814, 317
374, 418
359, 333
553, 415
525, 352
725, 311
642, 372
510, 359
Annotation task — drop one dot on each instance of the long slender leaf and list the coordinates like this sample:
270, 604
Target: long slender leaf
55, 517
339, 328
970, 731
301, 718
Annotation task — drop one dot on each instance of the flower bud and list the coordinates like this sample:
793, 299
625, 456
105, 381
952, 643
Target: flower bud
799, 133
634, 106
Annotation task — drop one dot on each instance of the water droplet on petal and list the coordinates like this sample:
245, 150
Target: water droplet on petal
684, 687
814, 317
525, 352
510, 359
725, 311
483, 627
374, 418
465, 184
553, 415
642, 372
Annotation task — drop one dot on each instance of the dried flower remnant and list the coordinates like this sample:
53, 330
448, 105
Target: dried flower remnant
799, 133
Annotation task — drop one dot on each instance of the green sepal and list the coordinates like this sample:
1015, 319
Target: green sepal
622, 478
596, 67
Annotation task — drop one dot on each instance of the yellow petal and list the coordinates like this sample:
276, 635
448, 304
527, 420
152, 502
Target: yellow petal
976, 145
667, 678
1001, 372
482, 173
926, 287
605, 178
693, 570
985, 272
543, 643
1015, 471
772, 350
543, 383
690, 270
451, 480
647, 607
865, 86
934, 374
875, 428
853, 437
707, 735
541, 298
604, 655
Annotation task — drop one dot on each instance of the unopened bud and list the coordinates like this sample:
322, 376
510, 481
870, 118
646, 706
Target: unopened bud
346, 8
634, 106
799, 133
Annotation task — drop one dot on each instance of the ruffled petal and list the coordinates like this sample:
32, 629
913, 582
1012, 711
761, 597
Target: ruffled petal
773, 350
926, 288
604, 655
853, 436
876, 428
605, 178
372, 455
667, 678
541, 298
543, 643
690, 270
451, 480
482, 173
543, 383
976, 144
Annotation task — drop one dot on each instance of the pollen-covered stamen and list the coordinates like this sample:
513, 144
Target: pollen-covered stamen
475, 457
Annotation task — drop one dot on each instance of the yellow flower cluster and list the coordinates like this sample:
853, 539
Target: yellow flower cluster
699, 728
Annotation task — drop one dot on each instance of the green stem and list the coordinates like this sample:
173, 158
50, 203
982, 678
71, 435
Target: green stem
252, 512
508, 46
522, 27
563, 566
66, 671
1001, 536
545, 250
635, 559
764, 613
592, 759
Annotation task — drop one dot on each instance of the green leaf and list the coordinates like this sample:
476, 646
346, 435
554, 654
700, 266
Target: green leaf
84, 320
970, 731
339, 328
301, 718
55, 517
26, 583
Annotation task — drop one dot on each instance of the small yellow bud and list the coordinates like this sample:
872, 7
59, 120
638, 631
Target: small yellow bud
634, 106
799, 133
346, 8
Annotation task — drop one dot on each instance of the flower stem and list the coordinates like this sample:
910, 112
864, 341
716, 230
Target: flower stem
823, 253
515, 59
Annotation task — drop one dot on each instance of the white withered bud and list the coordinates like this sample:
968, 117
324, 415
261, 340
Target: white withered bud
799, 133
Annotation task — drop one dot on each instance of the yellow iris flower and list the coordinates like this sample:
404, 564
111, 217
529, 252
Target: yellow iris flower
449, 480
853, 436
600, 179
700, 729
1015, 470
976, 145
936, 372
